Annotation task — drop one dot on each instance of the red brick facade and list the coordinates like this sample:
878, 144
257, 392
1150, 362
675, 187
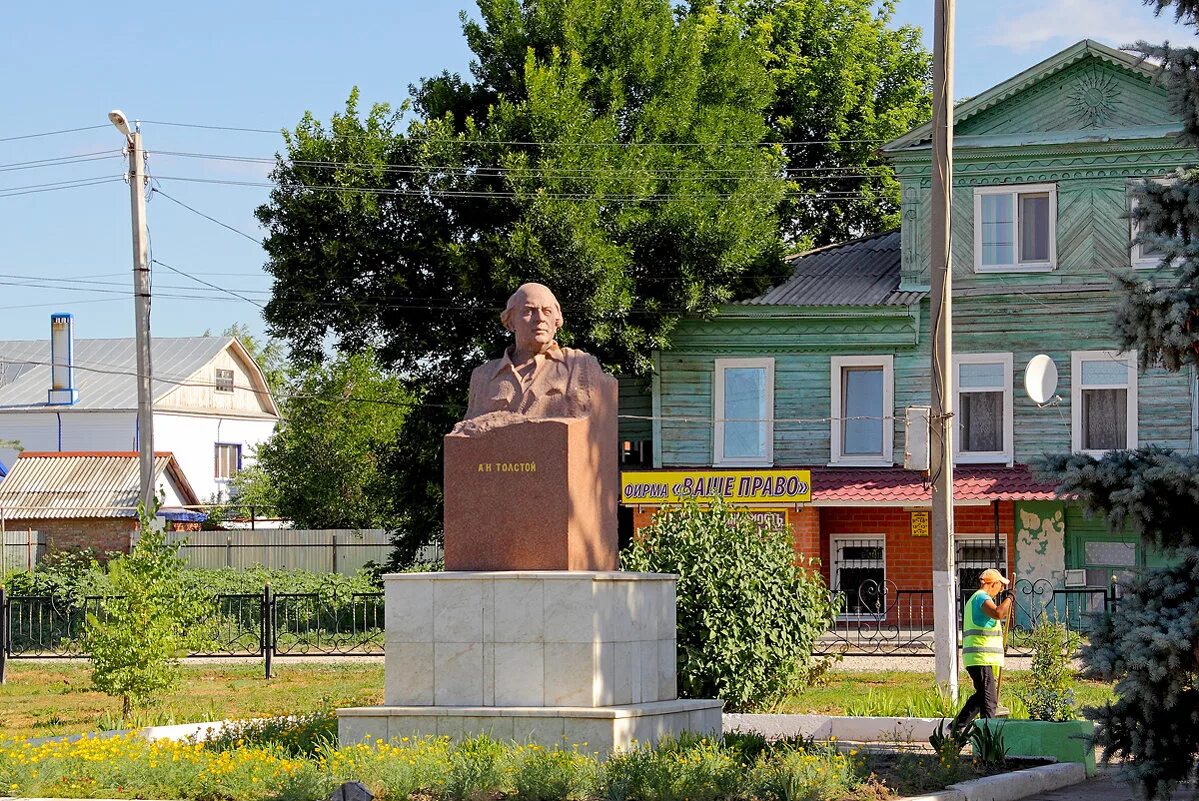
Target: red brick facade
102, 534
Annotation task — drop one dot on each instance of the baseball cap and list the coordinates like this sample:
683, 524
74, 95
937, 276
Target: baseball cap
991, 574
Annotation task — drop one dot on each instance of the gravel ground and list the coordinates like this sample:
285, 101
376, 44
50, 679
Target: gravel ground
914, 664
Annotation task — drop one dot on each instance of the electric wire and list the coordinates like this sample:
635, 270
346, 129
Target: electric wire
52, 133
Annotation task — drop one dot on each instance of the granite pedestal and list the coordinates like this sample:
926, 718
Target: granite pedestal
537, 656
538, 494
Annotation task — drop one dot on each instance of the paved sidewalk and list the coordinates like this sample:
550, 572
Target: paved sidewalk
1104, 787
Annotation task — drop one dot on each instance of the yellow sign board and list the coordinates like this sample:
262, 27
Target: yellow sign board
919, 524
657, 487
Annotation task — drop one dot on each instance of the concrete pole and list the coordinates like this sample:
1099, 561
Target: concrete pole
945, 627
141, 308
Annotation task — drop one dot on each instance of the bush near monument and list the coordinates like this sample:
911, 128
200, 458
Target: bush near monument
748, 614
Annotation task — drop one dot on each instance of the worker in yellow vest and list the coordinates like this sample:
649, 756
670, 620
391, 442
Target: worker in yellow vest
982, 645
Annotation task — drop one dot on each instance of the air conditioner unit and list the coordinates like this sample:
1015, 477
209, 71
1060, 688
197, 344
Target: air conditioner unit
1076, 578
915, 439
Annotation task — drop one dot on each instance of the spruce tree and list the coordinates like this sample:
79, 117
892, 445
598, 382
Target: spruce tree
1149, 645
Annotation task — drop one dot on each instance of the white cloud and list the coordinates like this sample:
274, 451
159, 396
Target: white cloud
1114, 22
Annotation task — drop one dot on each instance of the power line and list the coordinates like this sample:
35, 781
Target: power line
484, 170
58, 186
60, 161
207, 284
497, 195
516, 142
156, 190
52, 133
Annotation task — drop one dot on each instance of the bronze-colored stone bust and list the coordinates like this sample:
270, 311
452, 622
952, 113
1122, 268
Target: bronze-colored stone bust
535, 377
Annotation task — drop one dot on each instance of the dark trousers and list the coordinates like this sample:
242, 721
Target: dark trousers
985, 700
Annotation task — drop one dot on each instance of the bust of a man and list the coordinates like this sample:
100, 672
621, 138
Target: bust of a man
535, 377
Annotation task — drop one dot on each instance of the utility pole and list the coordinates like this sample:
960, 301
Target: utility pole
945, 628
141, 306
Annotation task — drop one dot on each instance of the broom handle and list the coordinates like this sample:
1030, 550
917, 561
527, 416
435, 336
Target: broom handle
1007, 628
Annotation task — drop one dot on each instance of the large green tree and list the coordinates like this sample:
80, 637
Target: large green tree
1150, 645
616, 150
325, 467
846, 82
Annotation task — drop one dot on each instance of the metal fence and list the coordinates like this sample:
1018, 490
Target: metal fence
342, 551
885, 620
266, 625
882, 620
21, 550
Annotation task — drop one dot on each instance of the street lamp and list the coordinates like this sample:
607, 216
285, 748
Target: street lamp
141, 304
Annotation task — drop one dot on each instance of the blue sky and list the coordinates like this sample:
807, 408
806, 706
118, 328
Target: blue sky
262, 65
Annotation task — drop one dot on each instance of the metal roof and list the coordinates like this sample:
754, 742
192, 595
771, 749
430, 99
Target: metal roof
82, 484
105, 370
860, 272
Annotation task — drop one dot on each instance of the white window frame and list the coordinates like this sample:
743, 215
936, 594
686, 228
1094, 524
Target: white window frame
837, 365
1007, 455
718, 457
834, 564
1077, 357
218, 386
1138, 260
1018, 266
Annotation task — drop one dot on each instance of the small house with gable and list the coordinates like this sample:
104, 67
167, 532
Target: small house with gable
211, 404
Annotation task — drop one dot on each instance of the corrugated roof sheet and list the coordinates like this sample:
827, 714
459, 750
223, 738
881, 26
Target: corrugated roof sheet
72, 485
105, 370
861, 272
896, 486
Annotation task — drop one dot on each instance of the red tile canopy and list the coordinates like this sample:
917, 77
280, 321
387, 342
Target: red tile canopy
883, 485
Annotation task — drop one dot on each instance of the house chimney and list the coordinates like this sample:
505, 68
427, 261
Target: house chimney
62, 361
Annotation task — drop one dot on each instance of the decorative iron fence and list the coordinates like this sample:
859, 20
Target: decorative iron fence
882, 619
266, 625
885, 620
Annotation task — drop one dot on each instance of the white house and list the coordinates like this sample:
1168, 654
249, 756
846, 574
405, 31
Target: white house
212, 406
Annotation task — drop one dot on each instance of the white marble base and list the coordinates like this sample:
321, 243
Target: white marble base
529, 638
602, 729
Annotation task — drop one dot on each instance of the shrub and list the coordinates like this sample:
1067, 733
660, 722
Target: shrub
296, 735
553, 774
748, 615
1050, 695
687, 769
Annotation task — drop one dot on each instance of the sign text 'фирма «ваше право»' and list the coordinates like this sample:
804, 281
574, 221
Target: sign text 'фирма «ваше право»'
738, 486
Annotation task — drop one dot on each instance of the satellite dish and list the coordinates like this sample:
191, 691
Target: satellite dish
1040, 378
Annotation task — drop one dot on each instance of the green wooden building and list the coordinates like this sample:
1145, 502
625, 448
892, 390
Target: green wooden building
828, 370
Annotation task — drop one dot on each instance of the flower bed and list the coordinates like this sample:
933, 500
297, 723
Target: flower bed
739, 767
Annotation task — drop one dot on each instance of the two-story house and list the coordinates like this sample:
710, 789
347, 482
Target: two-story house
819, 372
211, 403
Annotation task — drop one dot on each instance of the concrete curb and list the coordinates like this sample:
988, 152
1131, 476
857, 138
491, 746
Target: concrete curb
1010, 786
178, 731
829, 727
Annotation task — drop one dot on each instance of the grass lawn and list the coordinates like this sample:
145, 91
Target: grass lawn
888, 692
42, 699
50, 698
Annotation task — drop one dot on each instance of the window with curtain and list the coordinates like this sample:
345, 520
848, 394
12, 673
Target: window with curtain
1105, 401
744, 426
228, 460
1014, 228
984, 407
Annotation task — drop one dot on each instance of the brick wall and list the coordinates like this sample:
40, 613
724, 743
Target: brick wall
909, 560
102, 534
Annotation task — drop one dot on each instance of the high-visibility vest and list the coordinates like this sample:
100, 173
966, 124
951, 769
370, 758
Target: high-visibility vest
982, 636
